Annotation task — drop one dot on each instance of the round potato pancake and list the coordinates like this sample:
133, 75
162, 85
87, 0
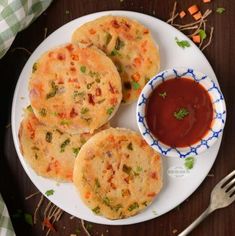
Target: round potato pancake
74, 89
128, 44
117, 173
50, 152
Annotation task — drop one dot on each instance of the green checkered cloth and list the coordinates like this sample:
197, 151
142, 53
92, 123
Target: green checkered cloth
16, 15
6, 228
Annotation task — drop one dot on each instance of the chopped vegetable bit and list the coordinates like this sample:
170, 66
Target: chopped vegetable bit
35, 65
119, 44
193, 9
48, 137
101, 101
146, 80
182, 14
43, 112
139, 169
29, 108
189, 162
76, 151
206, 1
83, 69
135, 85
64, 144
115, 53
202, 34
133, 206
84, 110
130, 146
97, 183
182, 43
108, 38
106, 201
28, 218
89, 85
181, 113
49, 192
163, 95
196, 38
117, 207
96, 210
126, 169
54, 89
110, 110
197, 16
48, 224
65, 122
145, 203
220, 10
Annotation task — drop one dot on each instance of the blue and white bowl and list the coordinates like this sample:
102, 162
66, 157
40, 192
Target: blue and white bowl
219, 112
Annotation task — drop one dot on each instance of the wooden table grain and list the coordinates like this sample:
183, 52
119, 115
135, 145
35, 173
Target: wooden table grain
15, 185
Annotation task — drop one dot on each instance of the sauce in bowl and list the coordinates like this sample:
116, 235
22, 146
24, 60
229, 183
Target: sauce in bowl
179, 112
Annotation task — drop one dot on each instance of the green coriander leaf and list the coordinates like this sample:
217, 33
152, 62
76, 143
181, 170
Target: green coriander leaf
126, 169
54, 89
133, 206
28, 219
163, 95
110, 110
48, 137
65, 122
64, 144
130, 146
181, 113
115, 53
83, 69
96, 210
49, 192
182, 43
202, 34
220, 10
189, 162
135, 85
76, 151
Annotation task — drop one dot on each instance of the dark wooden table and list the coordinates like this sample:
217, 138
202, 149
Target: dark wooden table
15, 185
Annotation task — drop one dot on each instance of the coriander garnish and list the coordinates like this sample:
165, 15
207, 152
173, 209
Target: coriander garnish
83, 69
135, 85
133, 206
163, 95
189, 162
202, 34
181, 113
110, 110
64, 144
220, 10
76, 151
54, 89
96, 210
48, 137
182, 43
28, 218
49, 192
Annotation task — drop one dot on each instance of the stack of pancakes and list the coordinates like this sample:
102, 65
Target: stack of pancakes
74, 91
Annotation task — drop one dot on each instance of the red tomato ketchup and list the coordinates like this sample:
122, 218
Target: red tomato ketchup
179, 112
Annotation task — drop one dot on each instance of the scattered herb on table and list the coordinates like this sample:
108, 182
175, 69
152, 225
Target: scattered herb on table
220, 10
28, 218
202, 34
182, 43
43, 112
181, 113
49, 192
189, 162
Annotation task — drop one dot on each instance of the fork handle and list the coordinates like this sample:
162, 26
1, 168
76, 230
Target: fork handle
196, 222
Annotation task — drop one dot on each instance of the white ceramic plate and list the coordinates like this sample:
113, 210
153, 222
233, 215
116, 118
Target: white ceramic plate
179, 183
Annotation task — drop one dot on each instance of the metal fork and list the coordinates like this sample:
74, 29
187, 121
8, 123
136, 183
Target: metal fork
222, 195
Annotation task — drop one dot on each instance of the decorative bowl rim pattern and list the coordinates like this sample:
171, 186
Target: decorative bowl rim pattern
219, 112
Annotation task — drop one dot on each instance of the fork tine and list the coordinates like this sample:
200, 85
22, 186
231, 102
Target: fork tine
226, 178
231, 190
228, 185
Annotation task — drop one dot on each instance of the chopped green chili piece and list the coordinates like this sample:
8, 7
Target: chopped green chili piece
64, 144
133, 206
49, 192
83, 69
48, 137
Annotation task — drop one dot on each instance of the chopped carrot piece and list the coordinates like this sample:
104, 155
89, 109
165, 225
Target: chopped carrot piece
182, 14
197, 16
205, 1
193, 9
196, 39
